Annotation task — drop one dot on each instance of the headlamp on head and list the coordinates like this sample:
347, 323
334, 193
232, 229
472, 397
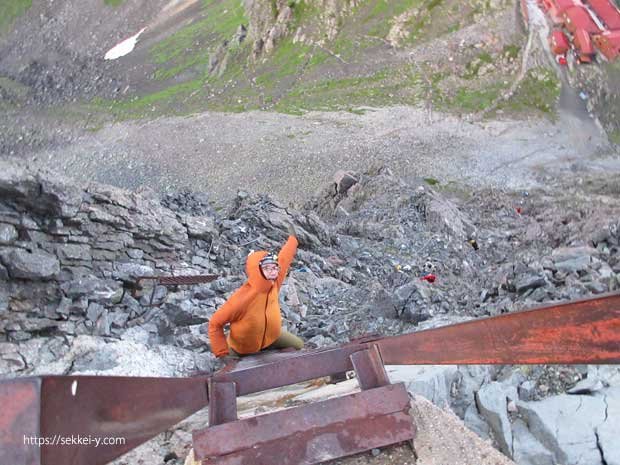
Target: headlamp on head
269, 259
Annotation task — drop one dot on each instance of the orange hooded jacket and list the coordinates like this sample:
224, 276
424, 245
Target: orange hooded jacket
253, 311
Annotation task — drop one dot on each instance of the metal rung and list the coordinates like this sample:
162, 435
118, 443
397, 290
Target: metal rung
313, 433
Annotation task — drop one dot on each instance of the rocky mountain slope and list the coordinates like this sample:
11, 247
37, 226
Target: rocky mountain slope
70, 257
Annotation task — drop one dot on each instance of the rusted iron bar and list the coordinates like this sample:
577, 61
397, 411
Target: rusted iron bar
222, 402
182, 280
95, 407
311, 433
369, 368
20, 406
260, 374
579, 332
169, 281
586, 331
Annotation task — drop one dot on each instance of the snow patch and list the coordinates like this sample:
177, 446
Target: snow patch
124, 47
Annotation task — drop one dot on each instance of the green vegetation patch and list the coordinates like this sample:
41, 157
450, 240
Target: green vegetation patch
540, 90
113, 2
11, 10
471, 100
191, 47
473, 67
288, 59
166, 101
401, 86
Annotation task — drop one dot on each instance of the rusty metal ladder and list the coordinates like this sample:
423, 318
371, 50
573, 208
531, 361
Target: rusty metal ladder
375, 417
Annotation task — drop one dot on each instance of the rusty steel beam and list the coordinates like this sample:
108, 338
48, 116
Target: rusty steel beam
20, 416
61, 408
369, 368
259, 374
222, 402
580, 332
311, 433
136, 409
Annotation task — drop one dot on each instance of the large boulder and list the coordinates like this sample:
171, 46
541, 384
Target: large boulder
492, 401
430, 381
608, 432
566, 425
527, 450
35, 265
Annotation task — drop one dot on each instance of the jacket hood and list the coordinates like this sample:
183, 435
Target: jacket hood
252, 269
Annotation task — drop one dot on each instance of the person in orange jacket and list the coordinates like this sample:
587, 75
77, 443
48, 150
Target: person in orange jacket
253, 311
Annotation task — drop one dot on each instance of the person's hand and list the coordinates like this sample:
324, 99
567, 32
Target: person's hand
291, 229
228, 359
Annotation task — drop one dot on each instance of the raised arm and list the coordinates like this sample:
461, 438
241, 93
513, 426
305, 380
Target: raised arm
285, 258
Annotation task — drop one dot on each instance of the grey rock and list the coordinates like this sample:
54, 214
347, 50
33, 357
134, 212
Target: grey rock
136, 334
444, 215
344, 180
586, 386
200, 227
432, 382
131, 271
136, 254
8, 233
33, 266
608, 374
118, 319
573, 265
38, 324
476, 423
73, 252
95, 289
380, 303
565, 425
105, 358
103, 325
412, 300
492, 400
37, 193
94, 311
527, 449
608, 432
10, 359
527, 390
4, 273
184, 313
526, 283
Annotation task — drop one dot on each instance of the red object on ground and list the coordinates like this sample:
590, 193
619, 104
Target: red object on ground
606, 12
429, 277
562, 60
556, 8
584, 46
608, 43
558, 42
577, 17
